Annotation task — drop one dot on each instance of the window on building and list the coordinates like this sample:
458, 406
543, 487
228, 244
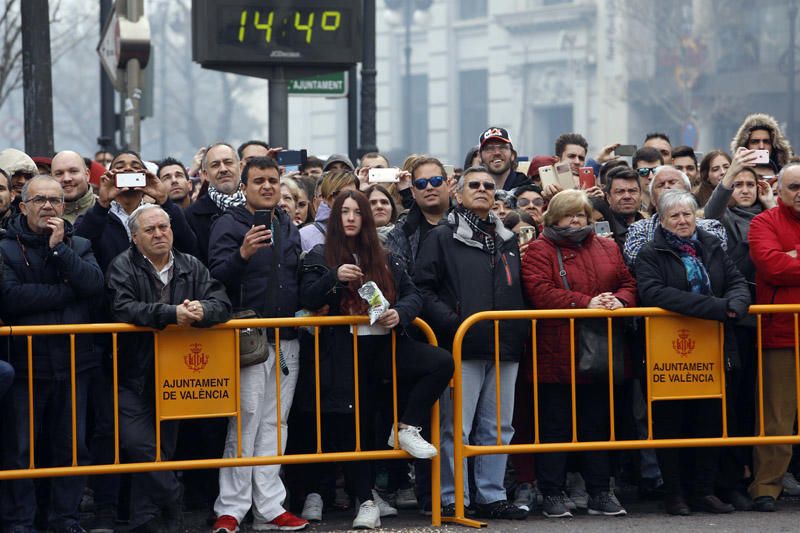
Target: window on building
472, 9
419, 114
473, 102
548, 124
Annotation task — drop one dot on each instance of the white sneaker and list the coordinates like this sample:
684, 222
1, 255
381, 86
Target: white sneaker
411, 441
406, 499
312, 508
369, 517
383, 506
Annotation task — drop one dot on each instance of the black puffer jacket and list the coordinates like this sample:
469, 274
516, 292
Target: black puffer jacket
201, 216
132, 292
457, 278
319, 287
248, 282
48, 286
661, 280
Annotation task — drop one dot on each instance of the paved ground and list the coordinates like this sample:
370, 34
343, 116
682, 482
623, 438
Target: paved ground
643, 516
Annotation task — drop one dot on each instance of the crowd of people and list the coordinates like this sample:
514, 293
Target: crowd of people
236, 232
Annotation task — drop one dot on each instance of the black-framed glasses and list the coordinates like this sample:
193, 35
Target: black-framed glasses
645, 171
487, 185
39, 201
422, 183
523, 202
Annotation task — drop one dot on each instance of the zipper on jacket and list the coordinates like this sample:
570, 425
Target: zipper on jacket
508, 270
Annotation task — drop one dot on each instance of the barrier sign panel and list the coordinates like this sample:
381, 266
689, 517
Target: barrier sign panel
196, 374
686, 357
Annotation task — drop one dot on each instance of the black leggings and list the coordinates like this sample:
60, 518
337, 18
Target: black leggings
423, 372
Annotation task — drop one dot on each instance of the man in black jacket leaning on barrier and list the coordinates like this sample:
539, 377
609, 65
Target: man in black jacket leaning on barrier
152, 285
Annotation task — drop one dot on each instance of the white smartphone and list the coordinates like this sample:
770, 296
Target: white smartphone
762, 157
383, 175
547, 175
131, 179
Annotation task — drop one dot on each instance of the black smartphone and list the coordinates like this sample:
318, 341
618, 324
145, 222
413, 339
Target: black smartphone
625, 150
263, 217
292, 159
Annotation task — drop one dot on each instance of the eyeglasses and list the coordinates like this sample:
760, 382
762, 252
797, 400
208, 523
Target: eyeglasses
487, 185
39, 201
537, 202
422, 183
645, 171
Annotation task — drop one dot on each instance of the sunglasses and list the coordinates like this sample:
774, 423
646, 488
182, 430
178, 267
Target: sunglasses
487, 185
645, 171
422, 183
537, 202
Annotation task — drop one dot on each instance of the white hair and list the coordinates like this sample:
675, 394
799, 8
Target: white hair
672, 198
133, 220
686, 182
784, 169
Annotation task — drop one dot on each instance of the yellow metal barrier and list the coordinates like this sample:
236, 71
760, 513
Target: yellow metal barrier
461, 450
234, 326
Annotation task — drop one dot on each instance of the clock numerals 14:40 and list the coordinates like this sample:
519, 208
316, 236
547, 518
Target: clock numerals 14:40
329, 21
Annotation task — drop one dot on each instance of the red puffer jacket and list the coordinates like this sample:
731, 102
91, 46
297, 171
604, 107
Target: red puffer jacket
772, 234
593, 267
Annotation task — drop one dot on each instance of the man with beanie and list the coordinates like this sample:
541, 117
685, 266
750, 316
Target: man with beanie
498, 156
338, 162
19, 166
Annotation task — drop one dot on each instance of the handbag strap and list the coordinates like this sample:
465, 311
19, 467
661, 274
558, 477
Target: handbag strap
561, 271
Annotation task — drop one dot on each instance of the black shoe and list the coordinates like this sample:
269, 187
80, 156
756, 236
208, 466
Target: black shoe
603, 504
450, 510
501, 509
711, 504
651, 489
738, 500
764, 504
676, 506
554, 506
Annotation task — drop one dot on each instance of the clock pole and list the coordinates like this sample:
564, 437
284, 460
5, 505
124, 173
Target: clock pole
278, 108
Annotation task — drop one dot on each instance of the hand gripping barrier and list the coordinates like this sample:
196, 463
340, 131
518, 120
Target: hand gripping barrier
689, 386
232, 327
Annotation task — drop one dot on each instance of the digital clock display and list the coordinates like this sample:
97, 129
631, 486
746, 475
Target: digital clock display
277, 31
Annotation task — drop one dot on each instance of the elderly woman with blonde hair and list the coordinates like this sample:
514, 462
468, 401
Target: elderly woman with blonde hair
569, 267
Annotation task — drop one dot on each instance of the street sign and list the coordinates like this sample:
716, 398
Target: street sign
330, 85
196, 373
686, 358
109, 49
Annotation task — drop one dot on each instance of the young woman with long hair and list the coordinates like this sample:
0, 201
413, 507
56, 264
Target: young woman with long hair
331, 276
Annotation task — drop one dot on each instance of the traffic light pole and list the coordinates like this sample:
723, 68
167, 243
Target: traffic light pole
37, 77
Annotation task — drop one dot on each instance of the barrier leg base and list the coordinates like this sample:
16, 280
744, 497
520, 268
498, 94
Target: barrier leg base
464, 522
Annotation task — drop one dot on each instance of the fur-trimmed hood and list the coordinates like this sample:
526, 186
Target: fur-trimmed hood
781, 148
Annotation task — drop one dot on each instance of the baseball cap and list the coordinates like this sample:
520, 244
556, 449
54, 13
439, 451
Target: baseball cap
500, 134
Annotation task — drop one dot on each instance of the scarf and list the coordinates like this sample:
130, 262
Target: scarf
567, 235
696, 273
482, 230
748, 212
72, 210
224, 201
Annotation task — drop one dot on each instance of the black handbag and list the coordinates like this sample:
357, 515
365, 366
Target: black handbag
591, 340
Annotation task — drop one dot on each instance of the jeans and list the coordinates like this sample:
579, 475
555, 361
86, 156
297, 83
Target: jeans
479, 406
259, 486
52, 420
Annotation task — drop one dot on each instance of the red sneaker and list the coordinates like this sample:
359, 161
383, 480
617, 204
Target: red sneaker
283, 522
225, 524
